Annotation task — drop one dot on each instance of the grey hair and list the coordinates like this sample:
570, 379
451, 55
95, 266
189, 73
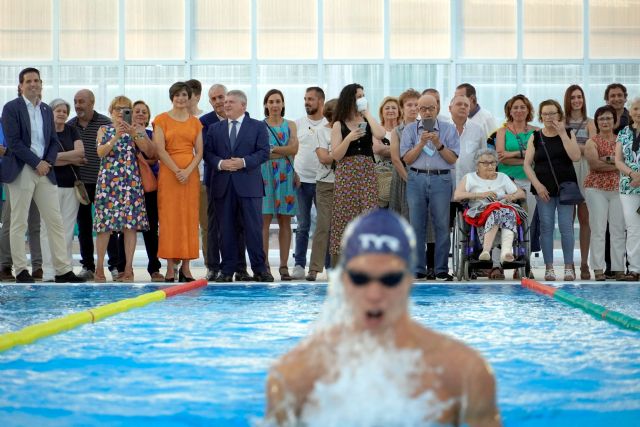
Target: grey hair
485, 152
58, 102
634, 100
218, 85
238, 94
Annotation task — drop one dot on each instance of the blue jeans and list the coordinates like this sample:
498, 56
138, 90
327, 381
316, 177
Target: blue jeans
430, 193
306, 194
547, 214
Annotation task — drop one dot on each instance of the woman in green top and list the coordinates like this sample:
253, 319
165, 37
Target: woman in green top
511, 144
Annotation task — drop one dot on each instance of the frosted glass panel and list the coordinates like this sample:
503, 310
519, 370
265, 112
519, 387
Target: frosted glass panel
353, 29
88, 29
154, 29
420, 77
9, 82
287, 29
151, 83
542, 82
25, 29
292, 80
420, 29
222, 29
102, 81
368, 76
552, 29
494, 83
614, 29
601, 75
488, 29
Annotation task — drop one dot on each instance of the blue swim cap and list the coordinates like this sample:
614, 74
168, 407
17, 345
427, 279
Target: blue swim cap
379, 231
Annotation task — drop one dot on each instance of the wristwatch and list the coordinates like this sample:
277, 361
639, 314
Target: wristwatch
271, 147
441, 147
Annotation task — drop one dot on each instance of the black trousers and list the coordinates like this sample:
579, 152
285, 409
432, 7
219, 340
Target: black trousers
150, 236
85, 235
214, 249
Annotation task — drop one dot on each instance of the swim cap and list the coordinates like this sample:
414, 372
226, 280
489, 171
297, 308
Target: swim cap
379, 231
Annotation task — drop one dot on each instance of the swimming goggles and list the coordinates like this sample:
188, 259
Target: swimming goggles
389, 280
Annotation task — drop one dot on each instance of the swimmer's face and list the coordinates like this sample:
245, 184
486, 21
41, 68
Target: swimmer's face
376, 306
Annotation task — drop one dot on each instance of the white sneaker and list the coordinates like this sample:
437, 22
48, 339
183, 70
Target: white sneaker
86, 275
298, 272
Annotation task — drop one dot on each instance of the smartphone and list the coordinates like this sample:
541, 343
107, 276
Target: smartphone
363, 126
429, 124
126, 115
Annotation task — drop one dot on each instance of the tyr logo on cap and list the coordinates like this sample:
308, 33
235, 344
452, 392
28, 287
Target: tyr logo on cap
378, 242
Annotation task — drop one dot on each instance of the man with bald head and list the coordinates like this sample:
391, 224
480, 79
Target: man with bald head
430, 148
87, 121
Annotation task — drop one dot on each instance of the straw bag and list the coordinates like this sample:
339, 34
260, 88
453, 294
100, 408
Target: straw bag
149, 180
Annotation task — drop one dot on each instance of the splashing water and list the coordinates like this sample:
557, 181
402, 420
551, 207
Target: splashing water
369, 381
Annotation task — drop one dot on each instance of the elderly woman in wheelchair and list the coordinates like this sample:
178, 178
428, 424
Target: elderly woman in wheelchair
491, 197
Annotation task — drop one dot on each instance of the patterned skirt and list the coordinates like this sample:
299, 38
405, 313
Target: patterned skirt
398, 197
503, 218
355, 192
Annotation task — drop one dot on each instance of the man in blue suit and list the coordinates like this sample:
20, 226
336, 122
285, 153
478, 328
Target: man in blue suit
27, 168
234, 150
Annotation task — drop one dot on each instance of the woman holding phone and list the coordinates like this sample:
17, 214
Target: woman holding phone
356, 189
119, 201
601, 189
279, 177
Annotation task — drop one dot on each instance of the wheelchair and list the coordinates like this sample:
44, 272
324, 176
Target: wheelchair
466, 249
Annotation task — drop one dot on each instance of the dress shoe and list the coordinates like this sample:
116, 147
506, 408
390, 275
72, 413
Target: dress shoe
243, 276
37, 274
6, 276
211, 275
68, 277
184, 279
224, 278
24, 277
265, 276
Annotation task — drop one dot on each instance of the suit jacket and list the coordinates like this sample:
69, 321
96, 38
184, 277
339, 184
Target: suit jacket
207, 120
17, 131
252, 144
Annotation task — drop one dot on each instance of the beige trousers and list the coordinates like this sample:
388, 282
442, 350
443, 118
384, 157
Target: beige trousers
27, 186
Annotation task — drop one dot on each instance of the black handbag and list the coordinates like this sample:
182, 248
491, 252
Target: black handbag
568, 191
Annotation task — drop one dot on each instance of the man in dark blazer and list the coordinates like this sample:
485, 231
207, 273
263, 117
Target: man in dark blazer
27, 168
234, 150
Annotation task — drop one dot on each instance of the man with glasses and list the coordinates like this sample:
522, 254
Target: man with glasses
364, 343
430, 148
28, 171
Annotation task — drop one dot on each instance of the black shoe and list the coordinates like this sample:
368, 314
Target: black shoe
431, 275
211, 275
243, 276
265, 276
68, 277
421, 276
443, 276
184, 279
24, 277
224, 278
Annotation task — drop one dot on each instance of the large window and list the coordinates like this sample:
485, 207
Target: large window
140, 47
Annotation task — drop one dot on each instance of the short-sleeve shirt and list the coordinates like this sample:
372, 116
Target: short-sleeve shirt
325, 172
448, 137
502, 186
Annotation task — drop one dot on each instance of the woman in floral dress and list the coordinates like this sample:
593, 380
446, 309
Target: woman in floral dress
119, 202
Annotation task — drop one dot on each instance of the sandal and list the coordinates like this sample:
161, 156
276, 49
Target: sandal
496, 274
585, 274
549, 275
126, 276
632, 277
599, 275
284, 274
569, 274
98, 276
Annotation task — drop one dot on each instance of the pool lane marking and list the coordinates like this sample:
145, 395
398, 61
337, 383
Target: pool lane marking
596, 310
35, 332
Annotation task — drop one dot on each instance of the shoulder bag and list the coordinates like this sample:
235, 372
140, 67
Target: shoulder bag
78, 186
568, 191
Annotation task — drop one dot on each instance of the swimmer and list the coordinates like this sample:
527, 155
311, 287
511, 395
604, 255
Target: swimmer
447, 381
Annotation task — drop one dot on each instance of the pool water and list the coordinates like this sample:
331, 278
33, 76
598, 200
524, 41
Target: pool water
201, 359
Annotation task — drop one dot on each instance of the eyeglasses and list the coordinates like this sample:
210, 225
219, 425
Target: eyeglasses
549, 114
425, 109
120, 108
389, 280
492, 163
605, 118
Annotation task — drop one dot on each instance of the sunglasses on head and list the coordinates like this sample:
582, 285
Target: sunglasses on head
390, 280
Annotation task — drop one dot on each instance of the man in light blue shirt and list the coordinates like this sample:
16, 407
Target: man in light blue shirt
431, 157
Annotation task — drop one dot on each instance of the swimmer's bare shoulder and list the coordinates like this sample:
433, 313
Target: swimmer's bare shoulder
464, 373
292, 378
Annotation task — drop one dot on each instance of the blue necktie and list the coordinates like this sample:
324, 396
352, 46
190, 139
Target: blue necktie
233, 134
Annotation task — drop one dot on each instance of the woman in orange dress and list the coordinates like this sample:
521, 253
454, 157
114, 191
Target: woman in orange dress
178, 136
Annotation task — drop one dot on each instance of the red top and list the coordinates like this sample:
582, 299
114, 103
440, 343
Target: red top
606, 181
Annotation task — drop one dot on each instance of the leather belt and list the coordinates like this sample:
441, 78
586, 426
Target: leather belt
432, 171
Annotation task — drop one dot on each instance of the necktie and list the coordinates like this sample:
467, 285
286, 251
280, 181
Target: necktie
233, 134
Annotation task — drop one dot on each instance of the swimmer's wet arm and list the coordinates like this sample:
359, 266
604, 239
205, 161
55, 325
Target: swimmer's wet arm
280, 407
480, 389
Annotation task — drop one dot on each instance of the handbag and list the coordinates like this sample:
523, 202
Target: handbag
149, 180
568, 191
78, 186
